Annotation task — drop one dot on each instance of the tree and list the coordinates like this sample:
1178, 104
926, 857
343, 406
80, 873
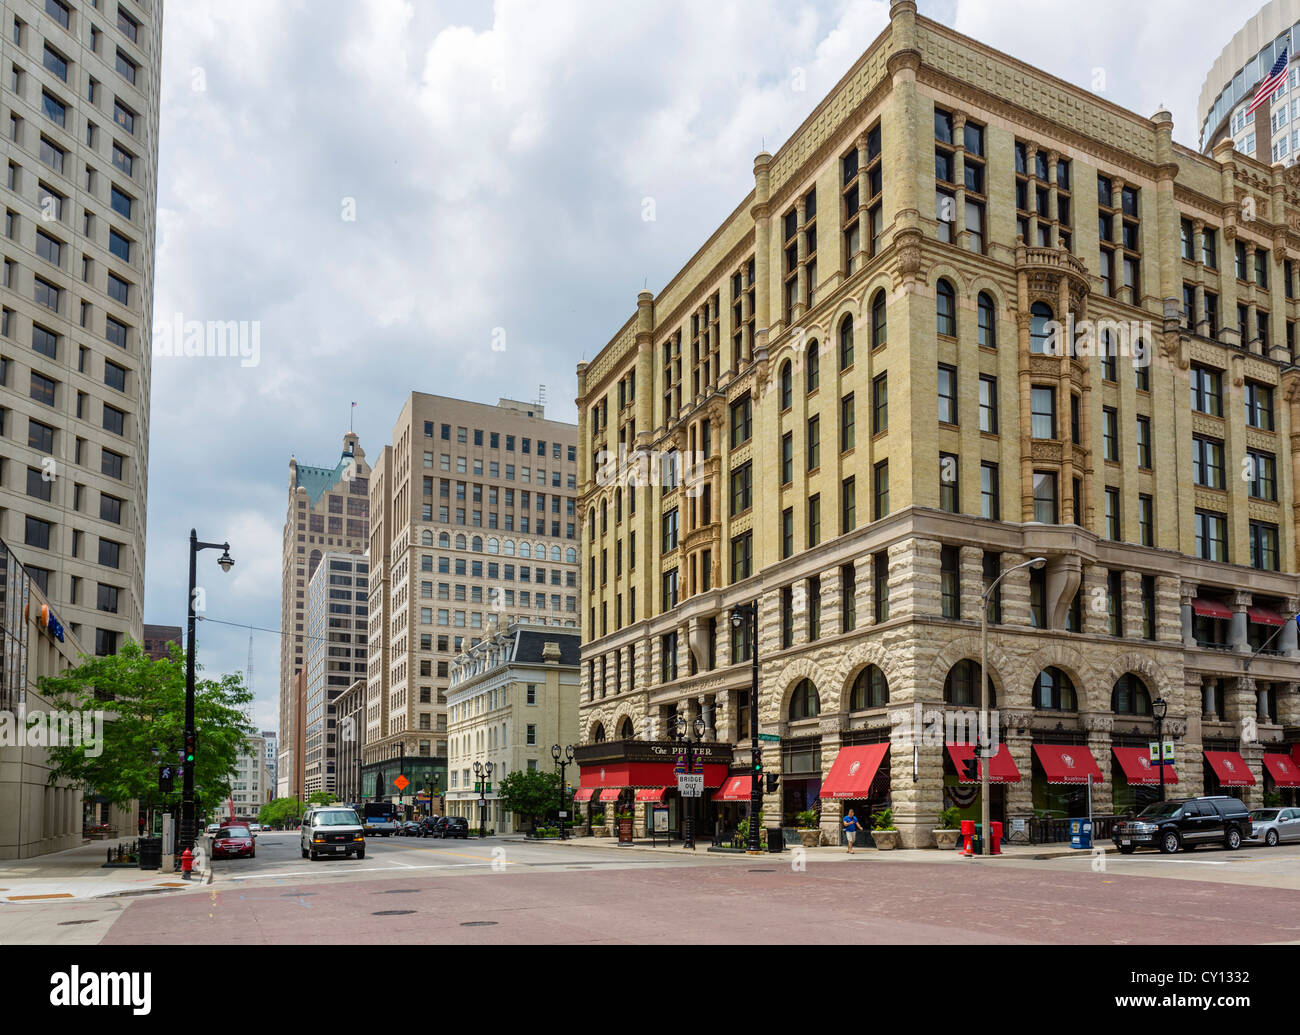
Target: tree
280, 812
143, 702
321, 798
531, 792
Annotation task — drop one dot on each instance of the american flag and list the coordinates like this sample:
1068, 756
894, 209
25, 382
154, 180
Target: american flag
1275, 78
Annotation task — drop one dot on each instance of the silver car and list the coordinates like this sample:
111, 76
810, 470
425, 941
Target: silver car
1273, 826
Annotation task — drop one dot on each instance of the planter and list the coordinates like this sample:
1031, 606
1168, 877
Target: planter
946, 839
810, 838
600, 832
886, 840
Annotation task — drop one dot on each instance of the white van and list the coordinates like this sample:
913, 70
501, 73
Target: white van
332, 831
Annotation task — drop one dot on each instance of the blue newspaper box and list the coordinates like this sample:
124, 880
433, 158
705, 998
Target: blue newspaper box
1081, 833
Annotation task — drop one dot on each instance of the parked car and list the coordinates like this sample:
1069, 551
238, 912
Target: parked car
451, 826
1184, 823
1271, 826
256, 828
427, 824
213, 827
332, 831
233, 842
409, 828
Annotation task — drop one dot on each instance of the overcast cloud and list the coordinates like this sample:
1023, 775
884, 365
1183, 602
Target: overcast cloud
497, 157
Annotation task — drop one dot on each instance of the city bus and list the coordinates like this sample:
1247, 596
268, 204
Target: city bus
380, 818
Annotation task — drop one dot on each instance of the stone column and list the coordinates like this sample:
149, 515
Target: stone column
866, 591
1053, 158
1209, 708
724, 717
1096, 590
1288, 704
1190, 763
831, 599
864, 192
831, 811
1169, 628
1238, 634
1131, 609
1015, 591
801, 247
959, 233
971, 574
1020, 796
1252, 754
1099, 729
1286, 640
914, 578
1031, 202
1188, 621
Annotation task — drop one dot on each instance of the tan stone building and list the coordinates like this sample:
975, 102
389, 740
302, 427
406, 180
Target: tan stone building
970, 315
473, 516
328, 511
512, 698
76, 304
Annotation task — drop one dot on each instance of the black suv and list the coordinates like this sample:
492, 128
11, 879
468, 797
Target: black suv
1184, 823
451, 826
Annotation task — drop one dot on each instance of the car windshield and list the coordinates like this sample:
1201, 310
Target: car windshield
1160, 809
1264, 815
233, 832
341, 818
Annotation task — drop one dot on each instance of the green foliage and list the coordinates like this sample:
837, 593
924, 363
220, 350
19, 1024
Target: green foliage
883, 820
144, 710
530, 792
321, 798
807, 820
950, 818
598, 819
280, 812
1272, 799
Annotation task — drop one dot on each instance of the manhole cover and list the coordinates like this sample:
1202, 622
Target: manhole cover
480, 923
762, 871
73, 923
393, 912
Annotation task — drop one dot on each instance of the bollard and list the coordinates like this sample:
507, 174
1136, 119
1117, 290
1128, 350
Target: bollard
997, 838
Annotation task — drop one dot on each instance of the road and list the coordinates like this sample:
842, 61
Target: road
509, 892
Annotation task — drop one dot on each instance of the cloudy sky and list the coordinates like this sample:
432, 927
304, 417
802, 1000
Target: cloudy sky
382, 184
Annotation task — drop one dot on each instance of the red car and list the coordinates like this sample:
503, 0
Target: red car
233, 842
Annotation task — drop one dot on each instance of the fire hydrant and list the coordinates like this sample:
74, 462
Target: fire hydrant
187, 864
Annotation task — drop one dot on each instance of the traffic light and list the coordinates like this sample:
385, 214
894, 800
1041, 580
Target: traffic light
165, 779
189, 748
970, 769
772, 780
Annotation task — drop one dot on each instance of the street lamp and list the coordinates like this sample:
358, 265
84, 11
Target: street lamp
483, 772
986, 760
187, 795
740, 614
682, 734
1159, 709
563, 760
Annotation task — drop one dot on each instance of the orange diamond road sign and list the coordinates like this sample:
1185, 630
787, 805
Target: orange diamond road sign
401, 783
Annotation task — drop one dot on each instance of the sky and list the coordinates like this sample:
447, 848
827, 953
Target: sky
449, 196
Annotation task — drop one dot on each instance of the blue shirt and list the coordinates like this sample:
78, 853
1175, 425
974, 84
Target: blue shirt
851, 823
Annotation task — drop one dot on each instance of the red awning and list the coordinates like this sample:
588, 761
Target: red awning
852, 772
584, 793
651, 794
1139, 769
645, 774
1210, 608
1284, 771
1265, 616
734, 788
1003, 769
610, 793
1068, 763
1230, 768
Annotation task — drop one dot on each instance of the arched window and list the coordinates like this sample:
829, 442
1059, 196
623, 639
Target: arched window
1130, 696
555, 553
625, 731
946, 308
1054, 691
604, 518
1040, 315
870, 690
312, 562
988, 321
476, 545
426, 538
787, 385
804, 702
598, 734
460, 542
571, 555
618, 505
591, 523
879, 327
525, 550
444, 540
846, 343
813, 378
494, 546
539, 551
510, 547
962, 686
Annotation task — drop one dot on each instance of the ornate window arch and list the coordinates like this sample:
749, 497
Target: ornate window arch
476, 544
510, 548
460, 542
494, 545
626, 731
525, 549
1040, 315
962, 685
987, 320
1130, 696
804, 701
571, 555
787, 385
879, 323
1054, 691
812, 368
846, 343
870, 690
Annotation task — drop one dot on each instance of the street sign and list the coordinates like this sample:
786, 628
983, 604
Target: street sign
564, 815
482, 802
1154, 748
401, 783
771, 738
690, 785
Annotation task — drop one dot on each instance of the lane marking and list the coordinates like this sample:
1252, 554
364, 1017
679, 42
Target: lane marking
365, 869
33, 898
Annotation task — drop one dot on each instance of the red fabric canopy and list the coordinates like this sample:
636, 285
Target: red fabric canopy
1002, 770
852, 772
1068, 763
1265, 616
736, 788
584, 794
645, 774
651, 794
1210, 608
611, 793
1230, 768
1284, 771
1139, 769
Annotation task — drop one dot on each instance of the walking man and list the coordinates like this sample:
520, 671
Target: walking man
850, 829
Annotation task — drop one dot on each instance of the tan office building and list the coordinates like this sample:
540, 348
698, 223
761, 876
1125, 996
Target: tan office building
328, 510
512, 698
869, 372
473, 516
76, 304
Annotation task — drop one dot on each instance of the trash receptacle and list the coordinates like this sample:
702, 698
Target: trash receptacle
150, 849
1081, 833
967, 833
996, 843
979, 838
775, 842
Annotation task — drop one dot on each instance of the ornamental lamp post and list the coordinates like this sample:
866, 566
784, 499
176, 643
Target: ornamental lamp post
563, 760
1159, 709
187, 795
682, 734
986, 760
740, 615
483, 773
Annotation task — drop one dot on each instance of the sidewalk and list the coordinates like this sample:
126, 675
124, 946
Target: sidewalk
79, 873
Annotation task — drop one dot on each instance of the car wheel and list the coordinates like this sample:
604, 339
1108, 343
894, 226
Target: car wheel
1169, 842
304, 852
1270, 839
252, 855
312, 855
1127, 849
1233, 840
361, 853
